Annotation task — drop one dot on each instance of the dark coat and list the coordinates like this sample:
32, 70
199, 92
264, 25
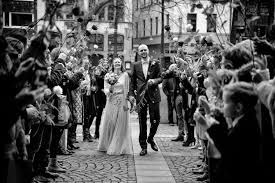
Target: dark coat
168, 86
240, 149
138, 81
177, 90
100, 97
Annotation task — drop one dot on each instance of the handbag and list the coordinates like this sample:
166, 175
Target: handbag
63, 111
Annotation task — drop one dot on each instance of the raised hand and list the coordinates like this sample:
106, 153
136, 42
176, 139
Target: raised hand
199, 118
23, 71
263, 47
132, 99
204, 103
27, 96
151, 82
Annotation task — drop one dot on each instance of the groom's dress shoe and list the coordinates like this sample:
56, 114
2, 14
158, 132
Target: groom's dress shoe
153, 145
143, 152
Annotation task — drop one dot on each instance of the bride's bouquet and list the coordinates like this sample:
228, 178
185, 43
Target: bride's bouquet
111, 78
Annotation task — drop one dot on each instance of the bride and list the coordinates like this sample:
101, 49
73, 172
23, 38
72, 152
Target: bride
115, 138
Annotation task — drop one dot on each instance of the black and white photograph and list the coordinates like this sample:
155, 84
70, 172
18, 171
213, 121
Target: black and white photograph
137, 91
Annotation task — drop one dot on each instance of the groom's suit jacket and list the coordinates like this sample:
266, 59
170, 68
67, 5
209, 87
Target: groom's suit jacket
139, 81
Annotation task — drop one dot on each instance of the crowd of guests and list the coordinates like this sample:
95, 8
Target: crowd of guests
46, 90
224, 104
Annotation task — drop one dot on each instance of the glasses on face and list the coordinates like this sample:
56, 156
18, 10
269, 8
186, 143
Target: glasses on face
143, 50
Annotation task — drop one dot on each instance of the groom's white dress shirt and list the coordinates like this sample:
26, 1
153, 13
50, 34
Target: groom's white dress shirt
145, 65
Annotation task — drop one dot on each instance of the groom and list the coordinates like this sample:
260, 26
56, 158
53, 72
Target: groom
146, 73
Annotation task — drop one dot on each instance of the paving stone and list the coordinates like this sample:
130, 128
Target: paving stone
88, 165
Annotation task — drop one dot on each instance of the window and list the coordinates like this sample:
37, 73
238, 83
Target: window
96, 39
144, 25
157, 25
180, 25
136, 29
70, 16
101, 15
111, 12
59, 15
167, 19
137, 4
21, 19
211, 23
120, 11
192, 19
151, 26
120, 42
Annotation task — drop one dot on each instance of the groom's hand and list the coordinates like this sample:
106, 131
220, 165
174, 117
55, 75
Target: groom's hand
151, 82
132, 99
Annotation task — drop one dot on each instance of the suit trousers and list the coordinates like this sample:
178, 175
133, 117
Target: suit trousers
170, 103
56, 136
43, 143
98, 120
154, 113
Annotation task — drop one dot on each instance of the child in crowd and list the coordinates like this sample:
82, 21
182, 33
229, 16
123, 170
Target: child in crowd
239, 145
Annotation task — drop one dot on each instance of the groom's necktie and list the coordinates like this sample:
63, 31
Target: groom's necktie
145, 66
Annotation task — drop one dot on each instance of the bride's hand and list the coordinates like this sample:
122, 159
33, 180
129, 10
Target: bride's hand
111, 89
125, 108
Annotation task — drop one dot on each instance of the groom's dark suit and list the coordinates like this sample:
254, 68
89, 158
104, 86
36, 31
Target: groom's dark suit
138, 84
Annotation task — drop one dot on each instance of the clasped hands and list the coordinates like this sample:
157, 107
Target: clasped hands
132, 101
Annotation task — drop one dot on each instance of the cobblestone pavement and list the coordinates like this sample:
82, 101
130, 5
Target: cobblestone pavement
180, 160
87, 165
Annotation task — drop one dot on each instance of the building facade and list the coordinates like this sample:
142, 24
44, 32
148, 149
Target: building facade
243, 29
101, 41
183, 21
18, 16
104, 36
21, 14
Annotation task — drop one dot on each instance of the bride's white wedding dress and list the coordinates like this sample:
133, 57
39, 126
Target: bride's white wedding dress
115, 135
